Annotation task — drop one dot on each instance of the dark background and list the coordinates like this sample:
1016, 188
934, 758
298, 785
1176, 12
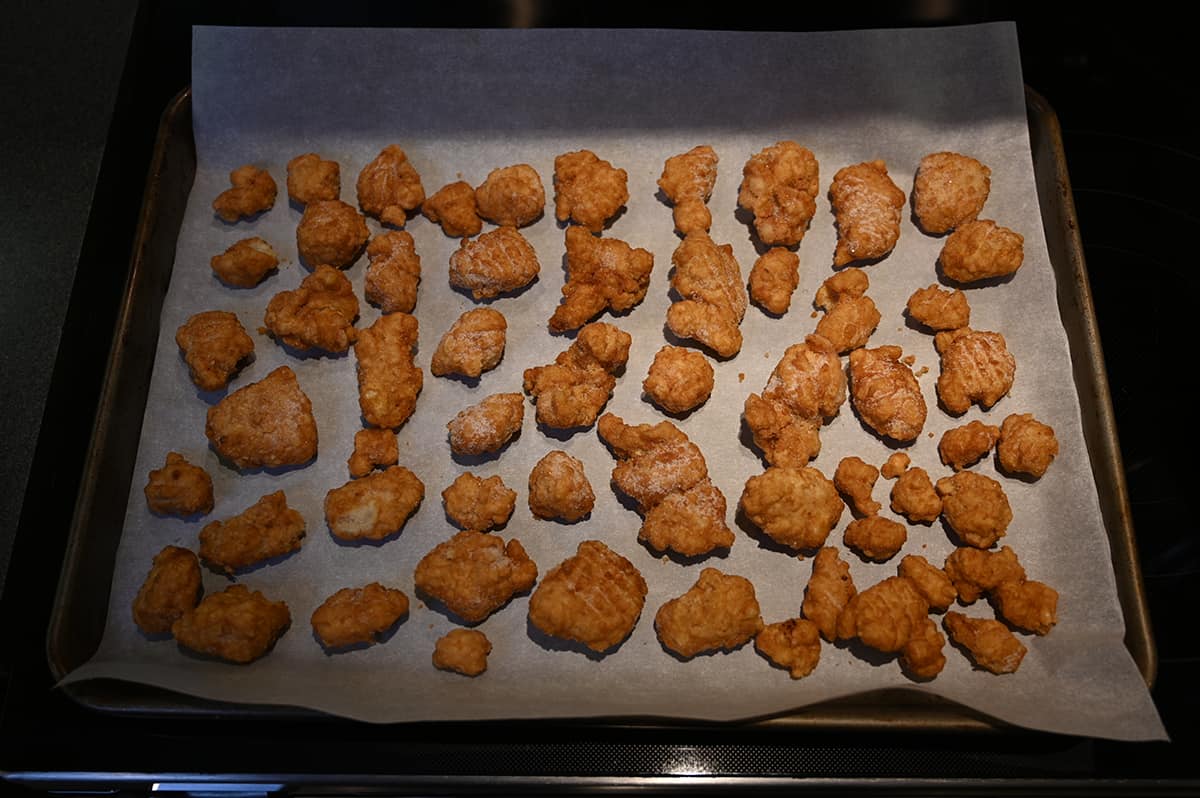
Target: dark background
81, 89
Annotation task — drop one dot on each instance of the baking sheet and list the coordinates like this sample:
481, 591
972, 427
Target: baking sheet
465, 102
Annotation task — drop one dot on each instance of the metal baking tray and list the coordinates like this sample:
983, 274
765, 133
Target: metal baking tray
80, 609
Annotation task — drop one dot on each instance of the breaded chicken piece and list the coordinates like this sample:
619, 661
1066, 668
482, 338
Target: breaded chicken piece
948, 190
895, 465
602, 274
179, 488
1027, 446
1028, 605
712, 295
310, 178
939, 309
687, 181
264, 530
388, 382
356, 615
981, 250
976, 571
214, 345
559, 489
495, 263
848, 324
795, 507
319, 314
373, 448
463, 651
886, 394
885, 616
473, 344
511, 196
829, 589
268, 423
374, 507
849, 283
966, 445
587, 190
474, 574
855, 479
866, 206
253, 192
784, 438
875, 537
235, 625
976, 368
922, 657
571, 391
779, 186
393, 272
389, 187
172, 588
934, 585
246, 263
487, 426
975, 507
453, 207
794, 645
989, 643
914, 497
330, 233
479, 504
679, 379
773, 280
594, 597
719, 612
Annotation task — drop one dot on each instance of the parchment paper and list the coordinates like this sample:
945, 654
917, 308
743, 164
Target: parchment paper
464, 102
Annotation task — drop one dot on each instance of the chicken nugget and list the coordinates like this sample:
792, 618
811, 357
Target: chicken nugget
719, 612
712, 295
310, 178
587, 190
855, 479
795, 507
848, 324
373, 448
948, 190
252, 193
495, 263
479, 504
875, 538
934, 585
559, 489
914, 497
784, 438
319, 314
779, 186
374, 507
172, 588
356, 615
988, 643
214, 345
939, 309
975, 507
866, 207
976, 368
602, 273
849, 283
389, 187
573, 390
981, 250
1028, 605
463, 651
388, 382
885, 616
179, 488
246, 263
886, 394
264, 530
474, 574
895, 465
473, 344
774, 278
1027, 446
975, 572
689, 522
794, 645
453, 207
966, 445
687, 182
393, 272
235, 625
330, 233
679, 379
268, 423
922, 657
487, 426
828, 591
512, 196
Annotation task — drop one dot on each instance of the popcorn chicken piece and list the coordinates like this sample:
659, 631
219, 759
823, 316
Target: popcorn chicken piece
934, 585
172, 588
310, 178
966, 445
922, 657
855, 479
885, 616
512, 196
774, 278
829, 589
389, 187
235, 625
374, 507
875, 538
794, 645
453, 207
462, 651
246, 263
1027, 446
214, 345
393, 272
895, 465
779, 186
1028, 605
330, 233
179, 488
475, 573
976, 368
981, 250
594, 597
886, 394
938, 309
849, 283
487, 426
975, 507
784, 438
358, 615
948, 190
264, 530
373, 448
268, 423
866, 206
253, 192
988, 642
679, 379
573, 390
473, 344
479, 504
719, 612
914, 497
687, 181
496, 263
559, 489
388, 382
795, 507
975, 571
587, 190
690, 522
713, 298
602, 273
319, 314
848, 324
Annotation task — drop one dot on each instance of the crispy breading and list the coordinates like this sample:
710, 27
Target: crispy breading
587, 190
310, 178
719, 612
795, 507
393, 272
849, 283
479, 504
712, 295
214, 345
453, 207
774, 278
895, 465
679, 379
966, 445
779, 186
474, 573
690, 522
687, 181
939, 309
848, 324
373, 448
988, 642
886, 394
855, 479
374, 507
885, 616
571, 391
914, 497
267, 423
794, 645
1027, 446
1028, 605
511, 196
875, 537
976, 368
594, 597
236, 625
246, 263
356, 615
253, 192
922, 657
473, 344
319, 314
981, 250
330, 233
784, 438
172, 587
388, 382
602, 273
829, 589
948, 190
264, 530
495, 263
389, 187
559, 489
866, 206
934, 585
179, 488
975, 572
975, 507
463, 651
488, 425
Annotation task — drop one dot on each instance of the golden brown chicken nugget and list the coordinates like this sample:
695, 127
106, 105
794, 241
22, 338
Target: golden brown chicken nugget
966, 445
875, 538
310, 178
479, 504
828, 591
975, 507
795, 507
319, 314
989, 643
512, 196
779, 186
602, 274
679, 379
388, 382
1028, 605
374, 507
712, 295
975, 572
948, 190
214, 345
373, 448
794, 645
393, 272
855, 479
885, 616
356, 615
246, 263
559, 489
719, 612
253, 192
687, 181
571, 391
976, 368
587, 190
453, 207
690, 522
914, 497
389, 187
895, 465
981, 250
487, 426
922, 657
849, 323
463, 651
172, 588
179, 488
474, 573
473, 344
934, 585
495, 263
886, 394
236, 625
330, 233
849, 283
866, 206
773, 280
264, 530
939, 309
784, 438
1027, 446
268, 423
